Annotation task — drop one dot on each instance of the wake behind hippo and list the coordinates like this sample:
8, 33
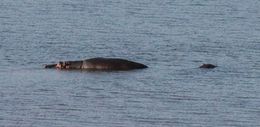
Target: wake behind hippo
98, 64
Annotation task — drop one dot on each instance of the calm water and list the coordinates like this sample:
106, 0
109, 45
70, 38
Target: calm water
172, 37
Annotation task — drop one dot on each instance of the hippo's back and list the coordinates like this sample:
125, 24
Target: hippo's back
111, 64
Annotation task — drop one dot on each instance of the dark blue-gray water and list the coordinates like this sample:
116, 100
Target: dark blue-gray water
172, 37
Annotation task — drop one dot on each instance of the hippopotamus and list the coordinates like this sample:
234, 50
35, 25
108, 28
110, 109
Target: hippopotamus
98, 64
208, 66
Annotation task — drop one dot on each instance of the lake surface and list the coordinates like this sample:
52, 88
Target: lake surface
172, 37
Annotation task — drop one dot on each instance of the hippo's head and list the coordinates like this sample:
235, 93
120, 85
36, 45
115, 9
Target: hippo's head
63, 65
208, 66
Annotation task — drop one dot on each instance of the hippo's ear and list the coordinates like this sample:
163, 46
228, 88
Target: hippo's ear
67, 63
61, 63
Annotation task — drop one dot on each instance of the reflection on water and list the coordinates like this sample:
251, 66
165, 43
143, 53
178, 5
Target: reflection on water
172, 37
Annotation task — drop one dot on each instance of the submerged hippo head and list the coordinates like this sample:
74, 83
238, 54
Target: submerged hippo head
208, 66
61, 65
69, 65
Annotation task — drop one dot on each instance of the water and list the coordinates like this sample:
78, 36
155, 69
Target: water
172, 37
